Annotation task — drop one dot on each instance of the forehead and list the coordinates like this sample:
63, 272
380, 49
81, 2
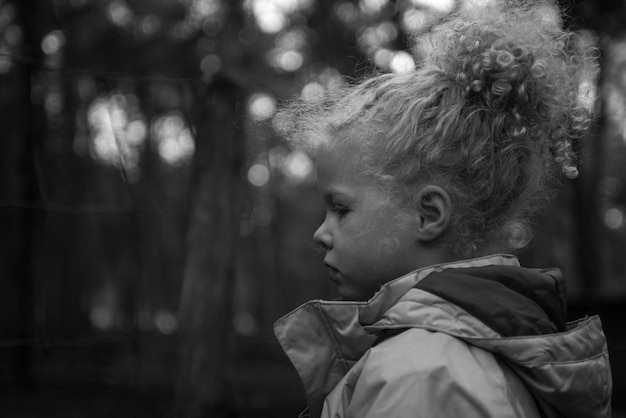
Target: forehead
342, 163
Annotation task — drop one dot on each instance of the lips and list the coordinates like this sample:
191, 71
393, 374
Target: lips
333, 273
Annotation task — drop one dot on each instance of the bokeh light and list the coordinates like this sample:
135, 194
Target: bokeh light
614, 218
10, 36
261, 106
413, 20
268, 15
272, 21
258, 175
104, 307
13, 35
383, 57
402, 62
372, 7
117, 131
347, 12
173, 139
53, 103
331, 78
374, 37
441, 6
295, 165
53, 42
312, 92
290, 60
205, 8
210, 64
165, 322
273, 16
119, 13
298, 166
102, 318
285, 59
293, 39
150, 24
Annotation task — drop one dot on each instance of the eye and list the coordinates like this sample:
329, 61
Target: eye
340, 210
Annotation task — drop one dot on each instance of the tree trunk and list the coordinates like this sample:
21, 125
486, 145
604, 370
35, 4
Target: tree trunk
213, 232
30, 219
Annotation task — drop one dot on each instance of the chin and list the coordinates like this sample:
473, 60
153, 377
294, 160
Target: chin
345, 295
355, 297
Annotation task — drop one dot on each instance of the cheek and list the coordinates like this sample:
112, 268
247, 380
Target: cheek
389, 244
374, 251
390, 232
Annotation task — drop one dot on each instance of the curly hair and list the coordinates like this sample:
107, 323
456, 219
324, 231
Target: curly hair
490, 115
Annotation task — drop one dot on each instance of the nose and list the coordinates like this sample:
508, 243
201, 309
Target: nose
322, 237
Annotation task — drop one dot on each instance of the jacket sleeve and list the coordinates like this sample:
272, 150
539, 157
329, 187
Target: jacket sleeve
429, 376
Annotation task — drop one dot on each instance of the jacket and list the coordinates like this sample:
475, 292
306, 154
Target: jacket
477, 338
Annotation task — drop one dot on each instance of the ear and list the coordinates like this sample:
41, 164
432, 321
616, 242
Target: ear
434, 207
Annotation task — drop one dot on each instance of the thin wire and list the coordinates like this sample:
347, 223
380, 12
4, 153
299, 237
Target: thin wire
80, 72
120, 337
93, 209
89, 341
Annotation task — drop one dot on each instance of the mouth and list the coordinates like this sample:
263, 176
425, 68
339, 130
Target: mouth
333, 273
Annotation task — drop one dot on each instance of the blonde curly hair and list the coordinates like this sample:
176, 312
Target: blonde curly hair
490, 115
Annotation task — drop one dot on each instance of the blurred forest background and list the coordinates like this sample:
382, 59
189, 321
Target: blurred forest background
153, 226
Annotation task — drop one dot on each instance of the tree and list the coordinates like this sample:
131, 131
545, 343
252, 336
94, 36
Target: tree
30, 13
213, 232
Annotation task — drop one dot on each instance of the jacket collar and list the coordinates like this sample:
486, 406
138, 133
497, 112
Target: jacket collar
391, 292
511, 300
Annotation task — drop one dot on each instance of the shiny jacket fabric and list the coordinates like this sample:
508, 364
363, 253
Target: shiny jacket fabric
477, 338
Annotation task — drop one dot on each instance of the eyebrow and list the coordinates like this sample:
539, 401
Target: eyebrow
334, 192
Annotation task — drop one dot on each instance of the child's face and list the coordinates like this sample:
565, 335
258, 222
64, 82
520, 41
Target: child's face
367, 238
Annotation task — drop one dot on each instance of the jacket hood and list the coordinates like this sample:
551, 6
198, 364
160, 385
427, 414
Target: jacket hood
566, 366
490, 302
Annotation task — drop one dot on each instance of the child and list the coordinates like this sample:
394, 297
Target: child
428, 179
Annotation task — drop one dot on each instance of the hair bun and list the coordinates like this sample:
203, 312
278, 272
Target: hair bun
492, 68
516, 61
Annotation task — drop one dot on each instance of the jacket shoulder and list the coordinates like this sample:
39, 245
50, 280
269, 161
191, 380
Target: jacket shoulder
431, 374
